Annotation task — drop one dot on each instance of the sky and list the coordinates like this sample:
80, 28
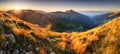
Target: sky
61, 5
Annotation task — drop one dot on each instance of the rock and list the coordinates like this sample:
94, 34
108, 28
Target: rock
52, 52
37, 48
1, 52
8, 51
29, 46
27, 53
48, 39
5, 44
17, 52
11, 37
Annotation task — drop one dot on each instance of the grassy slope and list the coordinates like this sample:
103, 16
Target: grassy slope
29, 37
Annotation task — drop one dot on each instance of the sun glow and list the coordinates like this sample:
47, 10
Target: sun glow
17, 7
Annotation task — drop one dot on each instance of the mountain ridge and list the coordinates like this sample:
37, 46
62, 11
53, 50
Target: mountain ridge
73, 19
39, 18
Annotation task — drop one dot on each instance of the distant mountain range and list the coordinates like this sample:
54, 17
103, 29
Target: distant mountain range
71, 16
73, 19
40, 18
67, 21
104, 18
99, 18
64, 21
94, 13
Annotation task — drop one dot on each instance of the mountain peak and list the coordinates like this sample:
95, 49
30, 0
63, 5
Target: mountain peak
70, 11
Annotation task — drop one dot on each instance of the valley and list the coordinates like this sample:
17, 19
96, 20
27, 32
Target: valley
59, 26
22, 35
59, 21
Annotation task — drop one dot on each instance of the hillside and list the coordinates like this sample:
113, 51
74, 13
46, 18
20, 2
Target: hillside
40, 18
18, 36
31, 16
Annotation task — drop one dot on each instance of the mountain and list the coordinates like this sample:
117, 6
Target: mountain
99, 18
93, 13
20, 37
104, 18
73, 19
115, 14
40, 18
31, 16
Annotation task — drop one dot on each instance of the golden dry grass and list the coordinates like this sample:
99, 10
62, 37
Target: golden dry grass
101, 40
